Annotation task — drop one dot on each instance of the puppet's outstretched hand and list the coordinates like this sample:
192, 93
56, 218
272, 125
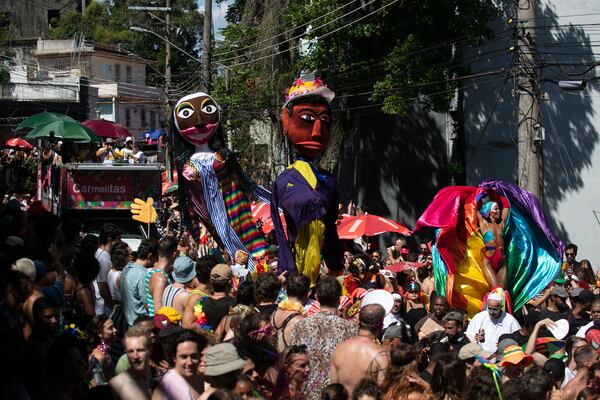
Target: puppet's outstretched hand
143, 211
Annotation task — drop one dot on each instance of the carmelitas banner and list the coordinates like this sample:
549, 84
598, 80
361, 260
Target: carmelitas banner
108, 189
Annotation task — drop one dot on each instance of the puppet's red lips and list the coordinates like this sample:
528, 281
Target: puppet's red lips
311, 145
200, 130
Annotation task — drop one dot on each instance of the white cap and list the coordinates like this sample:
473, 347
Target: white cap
129, 139
59, 143
494, 296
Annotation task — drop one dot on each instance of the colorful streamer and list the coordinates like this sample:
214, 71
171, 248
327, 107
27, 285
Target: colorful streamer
532, 252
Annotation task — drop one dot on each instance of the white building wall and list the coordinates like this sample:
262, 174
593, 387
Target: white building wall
566, 35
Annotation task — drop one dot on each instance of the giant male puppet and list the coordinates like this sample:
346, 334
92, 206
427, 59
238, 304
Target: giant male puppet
489, 237
213, 186
307, 195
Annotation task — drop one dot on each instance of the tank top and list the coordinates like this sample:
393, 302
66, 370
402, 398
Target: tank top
169, 295
111, 281
149, 298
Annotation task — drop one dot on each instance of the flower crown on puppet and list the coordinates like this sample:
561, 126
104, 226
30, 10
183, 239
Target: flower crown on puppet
303, 86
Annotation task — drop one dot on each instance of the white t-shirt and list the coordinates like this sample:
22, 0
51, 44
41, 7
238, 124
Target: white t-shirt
140, 157
493, 329
569, 376
105, 262
99, 308
111, 281
127, 154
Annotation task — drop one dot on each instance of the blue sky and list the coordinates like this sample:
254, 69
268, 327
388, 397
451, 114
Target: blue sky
218, 14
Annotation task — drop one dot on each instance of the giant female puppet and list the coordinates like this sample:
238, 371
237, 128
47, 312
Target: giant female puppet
307, 195
213, 185
494, 235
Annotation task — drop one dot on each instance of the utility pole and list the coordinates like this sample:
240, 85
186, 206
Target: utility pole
167, 108
168, 88
168, 50
207, 45
530, 164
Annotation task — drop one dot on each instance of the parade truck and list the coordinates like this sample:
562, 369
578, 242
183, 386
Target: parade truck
100, 193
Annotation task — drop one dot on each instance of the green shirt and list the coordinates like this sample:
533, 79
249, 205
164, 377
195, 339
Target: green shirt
133, 291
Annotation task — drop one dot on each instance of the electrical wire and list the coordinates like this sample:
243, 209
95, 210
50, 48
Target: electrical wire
282, 33
222, 60
320, 37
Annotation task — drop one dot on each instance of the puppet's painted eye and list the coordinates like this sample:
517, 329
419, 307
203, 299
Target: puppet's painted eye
185, 112
308, 117
209, 109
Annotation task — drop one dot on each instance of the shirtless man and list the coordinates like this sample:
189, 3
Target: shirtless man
290, 312
134, 383
167, 252
585, 357
27, 269
361, 357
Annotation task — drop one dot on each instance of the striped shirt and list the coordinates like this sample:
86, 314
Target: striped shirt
149, 298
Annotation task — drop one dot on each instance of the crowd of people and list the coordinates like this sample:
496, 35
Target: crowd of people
131, 152
90, 318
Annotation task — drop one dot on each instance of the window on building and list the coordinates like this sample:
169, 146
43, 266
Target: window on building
127, 117
143, 117
106, 71
53, 18
117, 73
128, 72
152, 119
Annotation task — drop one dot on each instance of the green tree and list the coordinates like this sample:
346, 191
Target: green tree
396, 52
385, 54
109, 22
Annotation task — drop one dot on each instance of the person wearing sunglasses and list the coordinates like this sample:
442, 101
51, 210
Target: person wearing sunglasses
570, 263
414, 308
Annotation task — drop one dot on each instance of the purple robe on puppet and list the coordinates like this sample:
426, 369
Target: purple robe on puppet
307, 195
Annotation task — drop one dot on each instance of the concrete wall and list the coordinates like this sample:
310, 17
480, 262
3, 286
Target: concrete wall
105, 67
29, 18
52, 88
392, 166
135, 116
570, 119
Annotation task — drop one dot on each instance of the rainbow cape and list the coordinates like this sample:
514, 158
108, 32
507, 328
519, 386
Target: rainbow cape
532, 252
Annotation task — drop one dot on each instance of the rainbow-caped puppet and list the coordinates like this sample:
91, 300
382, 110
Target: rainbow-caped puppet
494, 235
212, 185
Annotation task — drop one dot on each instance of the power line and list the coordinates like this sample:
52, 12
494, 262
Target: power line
312, 29
283, 33
320, 37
